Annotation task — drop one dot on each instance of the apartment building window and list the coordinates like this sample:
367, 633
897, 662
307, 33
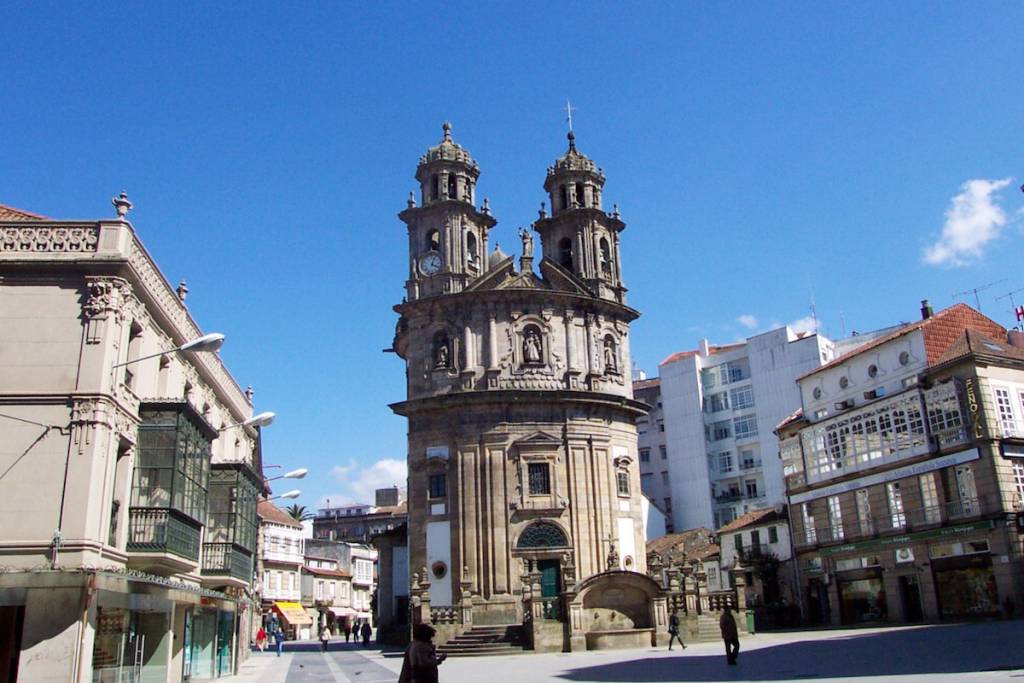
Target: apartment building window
1005, 409
862, 497
277, 581
663, 451
725, 461
668, 505
895, 496
748, 460
664, 478
719, 430
737, 370
645, 455
751, 486
319, 595
930, 498
742, 398
716, 402
745, 427
646, 481
330, 590
773, 534
540, 478
438, 485
835, 518
755, 538
737, 542
810, 533
709, 378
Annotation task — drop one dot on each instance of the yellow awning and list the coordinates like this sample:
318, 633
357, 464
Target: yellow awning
293, 613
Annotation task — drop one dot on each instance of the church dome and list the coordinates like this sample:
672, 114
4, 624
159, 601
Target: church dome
448, 150
574, 160
497, 257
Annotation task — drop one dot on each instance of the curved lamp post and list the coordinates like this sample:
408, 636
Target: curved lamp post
208, 342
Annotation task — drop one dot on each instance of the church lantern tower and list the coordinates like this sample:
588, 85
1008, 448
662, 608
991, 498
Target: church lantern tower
522, 457
579, 236
447, 234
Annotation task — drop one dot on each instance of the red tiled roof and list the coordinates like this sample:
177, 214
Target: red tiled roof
336, 573
270, 512
694, 544
712, 350
646, 383
940, 332
9, 213
974, 342
754, 518
797, 415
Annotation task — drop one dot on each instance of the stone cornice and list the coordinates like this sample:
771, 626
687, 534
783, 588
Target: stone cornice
113, 243
490, 297
629, 406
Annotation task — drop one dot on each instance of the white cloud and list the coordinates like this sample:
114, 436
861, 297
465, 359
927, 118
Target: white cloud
973, 219
358, 482
747, 320
807, 324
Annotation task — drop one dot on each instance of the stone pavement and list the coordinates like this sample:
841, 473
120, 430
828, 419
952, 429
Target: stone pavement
947, 652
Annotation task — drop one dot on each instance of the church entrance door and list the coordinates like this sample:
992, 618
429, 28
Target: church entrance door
550, 579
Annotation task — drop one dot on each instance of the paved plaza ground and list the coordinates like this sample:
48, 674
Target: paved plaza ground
949, 652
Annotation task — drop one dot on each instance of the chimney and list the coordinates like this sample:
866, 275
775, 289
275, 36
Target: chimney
1015, 338
705, 349
926, 309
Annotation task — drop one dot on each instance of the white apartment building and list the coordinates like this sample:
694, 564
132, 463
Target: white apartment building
364, 559
282, 555
707, 452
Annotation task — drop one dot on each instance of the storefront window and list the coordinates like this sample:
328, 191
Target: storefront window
130, 646
863, 600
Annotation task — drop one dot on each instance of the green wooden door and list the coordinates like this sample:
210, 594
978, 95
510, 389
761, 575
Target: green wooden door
550, 578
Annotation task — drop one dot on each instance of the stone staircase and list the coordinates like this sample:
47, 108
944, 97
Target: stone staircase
482, 641
707, 627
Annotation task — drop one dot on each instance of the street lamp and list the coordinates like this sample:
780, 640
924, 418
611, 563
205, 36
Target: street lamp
261, 420
295, 493
208, 342
294, 474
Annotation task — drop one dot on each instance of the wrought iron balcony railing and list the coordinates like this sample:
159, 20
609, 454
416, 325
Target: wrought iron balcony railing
162, 530
226, 559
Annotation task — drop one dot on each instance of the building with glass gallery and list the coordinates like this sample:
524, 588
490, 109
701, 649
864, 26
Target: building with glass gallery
128, 483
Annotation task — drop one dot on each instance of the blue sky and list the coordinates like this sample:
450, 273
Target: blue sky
866, 154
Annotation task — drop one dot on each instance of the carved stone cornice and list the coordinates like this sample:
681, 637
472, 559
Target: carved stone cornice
49, 238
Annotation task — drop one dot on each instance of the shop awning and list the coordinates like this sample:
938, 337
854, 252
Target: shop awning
293, 613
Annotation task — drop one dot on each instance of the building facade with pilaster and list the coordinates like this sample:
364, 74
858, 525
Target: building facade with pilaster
129, 486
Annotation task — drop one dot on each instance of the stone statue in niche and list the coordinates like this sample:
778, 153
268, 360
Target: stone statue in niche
441, 354
611, 363
531, 346
527, 238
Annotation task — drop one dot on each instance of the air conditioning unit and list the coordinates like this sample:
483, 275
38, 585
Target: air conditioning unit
904, 555
843, 405
874, 393
910, 381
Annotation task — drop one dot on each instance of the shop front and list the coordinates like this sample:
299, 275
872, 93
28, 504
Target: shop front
861, 591
294, 620
964, 582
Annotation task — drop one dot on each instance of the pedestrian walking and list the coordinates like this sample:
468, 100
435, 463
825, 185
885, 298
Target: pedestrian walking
730, 635
325, 637
279, 639
421, 659
348, 631
673, 630
365, 632
261, 639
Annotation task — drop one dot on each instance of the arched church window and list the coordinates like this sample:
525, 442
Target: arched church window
433, 241
542, 535
472, 254
564, 196
435, 186
611, 354
442, 351
579, 194
606, 256
452, 187
533, 345
565, 253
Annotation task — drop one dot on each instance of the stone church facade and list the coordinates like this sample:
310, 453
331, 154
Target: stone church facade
523, 476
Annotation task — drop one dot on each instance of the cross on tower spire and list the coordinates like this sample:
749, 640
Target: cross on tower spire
569, 109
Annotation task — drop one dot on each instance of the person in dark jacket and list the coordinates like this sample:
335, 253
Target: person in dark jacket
673, 630
730, 635
365, 632
421, 659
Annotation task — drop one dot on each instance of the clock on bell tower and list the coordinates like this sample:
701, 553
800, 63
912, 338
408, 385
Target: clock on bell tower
447, 233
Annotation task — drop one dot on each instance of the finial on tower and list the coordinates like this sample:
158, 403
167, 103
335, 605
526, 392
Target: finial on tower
447, 128
121, 204
569, 109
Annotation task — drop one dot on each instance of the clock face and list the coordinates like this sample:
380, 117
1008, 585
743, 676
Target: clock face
430, 263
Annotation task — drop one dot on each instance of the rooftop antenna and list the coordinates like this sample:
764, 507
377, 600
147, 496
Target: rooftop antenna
975, 290
842, 321
1013, 305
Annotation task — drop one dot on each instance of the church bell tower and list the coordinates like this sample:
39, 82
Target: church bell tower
447, 234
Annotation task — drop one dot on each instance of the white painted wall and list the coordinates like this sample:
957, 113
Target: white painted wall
653, 518
681, 399
439, 549
627, 542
